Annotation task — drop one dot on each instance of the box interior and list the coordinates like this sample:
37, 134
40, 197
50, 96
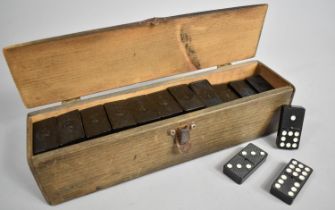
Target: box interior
223, 74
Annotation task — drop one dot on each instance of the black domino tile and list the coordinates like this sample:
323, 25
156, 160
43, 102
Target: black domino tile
95, 121
205, 92
142, 109
290, 181
290, 127
165, 104
70, 128
119, 115
225, 93
186, 98
45, 135
259, 83
242, 88
244, 163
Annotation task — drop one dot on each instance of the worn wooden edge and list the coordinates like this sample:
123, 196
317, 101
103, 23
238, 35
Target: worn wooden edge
29, 152
28, 94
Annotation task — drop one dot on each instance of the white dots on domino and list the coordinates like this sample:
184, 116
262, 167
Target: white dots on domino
282, 144
293, 117
294, 162
290, 133
295, 140
284, 133
284, 177
300, 165
277, 185
304, 173
288, 145
253, 153
296, 133
248, 166
229, 165
294, 145
238, 165
296, 184
301, 177
288, 170
244, 153
280, 181
262, 153
293, 189
290, 193
295, 173
283, 138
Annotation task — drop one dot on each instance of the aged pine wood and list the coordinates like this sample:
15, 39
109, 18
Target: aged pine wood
90, 166
76, 170
67, 67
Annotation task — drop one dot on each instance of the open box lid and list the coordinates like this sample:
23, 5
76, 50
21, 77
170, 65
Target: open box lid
71, 66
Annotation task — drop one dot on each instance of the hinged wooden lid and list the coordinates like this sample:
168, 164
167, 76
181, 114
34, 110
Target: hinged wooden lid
75, 65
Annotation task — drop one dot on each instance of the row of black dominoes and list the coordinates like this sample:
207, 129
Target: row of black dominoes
77, 126
286, 186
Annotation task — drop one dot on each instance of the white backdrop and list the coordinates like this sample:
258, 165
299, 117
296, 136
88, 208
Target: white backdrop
297, 41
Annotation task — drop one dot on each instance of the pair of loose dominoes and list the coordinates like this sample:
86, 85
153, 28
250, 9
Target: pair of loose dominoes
286, 186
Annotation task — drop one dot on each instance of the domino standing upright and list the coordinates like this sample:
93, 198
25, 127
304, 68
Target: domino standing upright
290, 181
290, 127
243, 164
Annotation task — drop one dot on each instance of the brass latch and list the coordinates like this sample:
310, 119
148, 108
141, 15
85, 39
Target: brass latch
181, 137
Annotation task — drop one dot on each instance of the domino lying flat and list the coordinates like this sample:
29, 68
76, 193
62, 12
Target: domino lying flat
290, 181
243, 164
290, 127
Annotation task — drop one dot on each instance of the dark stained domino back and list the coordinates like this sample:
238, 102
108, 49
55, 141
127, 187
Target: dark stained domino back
45, 135
244, 163
119, 115
186, 98
225, 93
143, 110
204, 90
242, 88
259, 83
290, 181
165, 104
70, 128
290, 127
95, 121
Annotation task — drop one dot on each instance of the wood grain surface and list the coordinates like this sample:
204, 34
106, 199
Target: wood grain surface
62, 68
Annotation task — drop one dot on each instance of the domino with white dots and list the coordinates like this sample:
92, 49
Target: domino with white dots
243, 164
290, 127
290, 181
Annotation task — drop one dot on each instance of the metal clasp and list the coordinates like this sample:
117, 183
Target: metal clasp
181, 137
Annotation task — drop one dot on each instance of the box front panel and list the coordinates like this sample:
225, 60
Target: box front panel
87, 167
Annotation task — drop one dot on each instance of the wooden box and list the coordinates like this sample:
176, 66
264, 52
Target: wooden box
68, 67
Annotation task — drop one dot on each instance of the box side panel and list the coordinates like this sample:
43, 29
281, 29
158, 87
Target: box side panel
81, 169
